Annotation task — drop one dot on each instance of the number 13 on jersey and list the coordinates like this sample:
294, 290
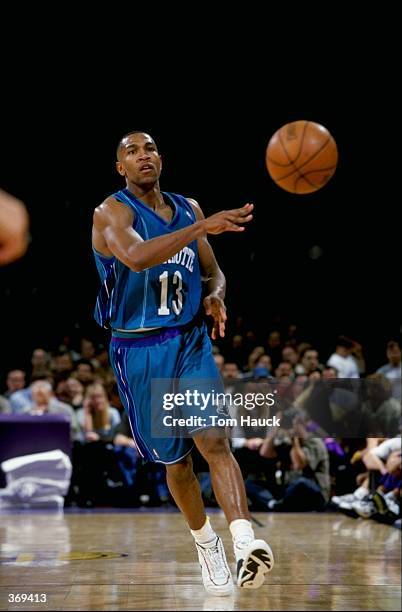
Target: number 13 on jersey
177, 300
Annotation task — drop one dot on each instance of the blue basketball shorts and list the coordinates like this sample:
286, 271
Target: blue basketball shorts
169, 354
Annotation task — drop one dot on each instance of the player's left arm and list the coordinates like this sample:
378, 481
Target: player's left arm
216, 283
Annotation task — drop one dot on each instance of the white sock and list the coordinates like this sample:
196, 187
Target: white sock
242, 532
204, 536
361, 492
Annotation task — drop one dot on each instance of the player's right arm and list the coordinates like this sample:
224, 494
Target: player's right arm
113, 221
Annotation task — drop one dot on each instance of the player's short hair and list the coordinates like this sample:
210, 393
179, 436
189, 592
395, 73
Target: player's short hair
129, 134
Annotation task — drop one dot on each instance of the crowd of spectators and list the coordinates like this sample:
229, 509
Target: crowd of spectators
306, 464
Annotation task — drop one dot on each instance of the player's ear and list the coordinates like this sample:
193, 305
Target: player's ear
120, 168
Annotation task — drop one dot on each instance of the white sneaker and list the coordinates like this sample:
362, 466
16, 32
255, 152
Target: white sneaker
216, 574
349, 498
253, 561
365, 507
392, 504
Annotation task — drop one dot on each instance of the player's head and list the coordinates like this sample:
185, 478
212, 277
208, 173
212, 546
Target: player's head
138, 159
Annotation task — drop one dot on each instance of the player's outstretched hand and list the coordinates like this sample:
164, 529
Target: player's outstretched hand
13, 228
228, 220
215, 307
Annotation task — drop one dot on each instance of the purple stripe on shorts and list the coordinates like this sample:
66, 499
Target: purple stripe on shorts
166, 334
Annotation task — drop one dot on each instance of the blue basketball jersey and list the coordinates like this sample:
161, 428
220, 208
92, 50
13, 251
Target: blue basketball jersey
165, 295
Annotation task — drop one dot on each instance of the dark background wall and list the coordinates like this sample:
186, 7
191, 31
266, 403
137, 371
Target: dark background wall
212, 121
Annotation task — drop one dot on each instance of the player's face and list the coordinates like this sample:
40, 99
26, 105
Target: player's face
139, 160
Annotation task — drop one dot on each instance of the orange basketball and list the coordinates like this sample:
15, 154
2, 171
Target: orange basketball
301, 156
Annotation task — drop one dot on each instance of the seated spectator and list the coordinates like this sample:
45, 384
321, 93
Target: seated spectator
289, 354
61, 391
393, 369
62, 365
304, 469
44, 402
88, 352
329, 373
85, 372
384, 483
344, 502
261, 369
264, 361
377, 458
71, 391
254, 357
75, 391
230, 372
308, 361
284, 369
40, 360
302, 347
330, 406
342, 359
97, 419
15, 381
20, 400
381, 413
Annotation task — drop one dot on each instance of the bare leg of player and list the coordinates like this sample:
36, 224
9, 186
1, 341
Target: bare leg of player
227, 479
186, 492
254, 557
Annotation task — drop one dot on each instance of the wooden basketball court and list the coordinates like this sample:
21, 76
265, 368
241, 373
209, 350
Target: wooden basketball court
147, 561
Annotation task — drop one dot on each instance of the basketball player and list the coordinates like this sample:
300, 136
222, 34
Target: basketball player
151, 251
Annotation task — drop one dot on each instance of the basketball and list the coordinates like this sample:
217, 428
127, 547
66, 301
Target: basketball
301, 156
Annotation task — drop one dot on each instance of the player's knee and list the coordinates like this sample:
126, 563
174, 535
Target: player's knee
215, 449
181, 472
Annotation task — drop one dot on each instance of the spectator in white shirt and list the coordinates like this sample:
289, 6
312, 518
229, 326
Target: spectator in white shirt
342, 359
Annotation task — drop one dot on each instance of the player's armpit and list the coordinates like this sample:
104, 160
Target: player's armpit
210, 269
